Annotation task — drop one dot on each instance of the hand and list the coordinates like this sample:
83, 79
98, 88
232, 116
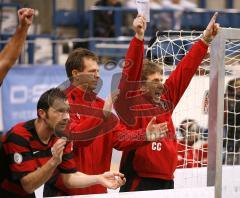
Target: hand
57, 150
25, 17
107, 108
156, 131
139, 26
112, 180
212, 29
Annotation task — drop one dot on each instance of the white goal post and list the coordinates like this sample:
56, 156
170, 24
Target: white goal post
216, 107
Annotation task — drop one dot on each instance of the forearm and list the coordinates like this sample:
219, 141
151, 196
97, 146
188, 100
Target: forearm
134, 58
133, 63
185, 70
129, 139
79, 180
12, 50
34, 180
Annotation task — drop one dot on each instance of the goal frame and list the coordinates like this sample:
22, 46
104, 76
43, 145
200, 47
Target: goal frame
216, 107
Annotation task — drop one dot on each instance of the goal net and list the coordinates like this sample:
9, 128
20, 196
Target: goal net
191, 115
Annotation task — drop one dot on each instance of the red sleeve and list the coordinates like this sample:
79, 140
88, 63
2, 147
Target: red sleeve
68, 164
21, 161
133, 62
180, 78
129, 82
125, 139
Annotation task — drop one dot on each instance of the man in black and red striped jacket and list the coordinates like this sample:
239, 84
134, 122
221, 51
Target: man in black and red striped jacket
32, 152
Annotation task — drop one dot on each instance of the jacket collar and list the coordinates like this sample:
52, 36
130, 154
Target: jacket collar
76, 94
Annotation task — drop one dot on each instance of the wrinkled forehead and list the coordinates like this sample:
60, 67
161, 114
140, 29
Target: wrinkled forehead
90, 64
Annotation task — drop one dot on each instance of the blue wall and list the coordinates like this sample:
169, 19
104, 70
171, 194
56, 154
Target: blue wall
23, 86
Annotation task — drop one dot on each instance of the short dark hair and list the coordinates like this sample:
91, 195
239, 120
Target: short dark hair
75, 60
150, 68
191, 125
47, 99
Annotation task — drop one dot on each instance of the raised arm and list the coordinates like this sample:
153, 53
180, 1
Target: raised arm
131, 73
12, 50
180, 78
135, 53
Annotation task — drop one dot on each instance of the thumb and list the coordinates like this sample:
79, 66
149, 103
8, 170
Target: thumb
152, 121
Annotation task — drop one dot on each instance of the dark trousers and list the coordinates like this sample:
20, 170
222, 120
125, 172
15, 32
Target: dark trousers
144, 184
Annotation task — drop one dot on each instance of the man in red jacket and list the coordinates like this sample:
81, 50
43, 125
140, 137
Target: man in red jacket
93, 155
152, 166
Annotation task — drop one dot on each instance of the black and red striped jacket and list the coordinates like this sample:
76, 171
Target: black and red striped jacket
24, 153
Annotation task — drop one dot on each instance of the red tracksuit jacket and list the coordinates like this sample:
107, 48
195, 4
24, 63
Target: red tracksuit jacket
94, 156
157, 159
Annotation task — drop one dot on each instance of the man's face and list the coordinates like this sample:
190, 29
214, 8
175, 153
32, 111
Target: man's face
154, 86
57, 116
88, 78
193, 136
189, 133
